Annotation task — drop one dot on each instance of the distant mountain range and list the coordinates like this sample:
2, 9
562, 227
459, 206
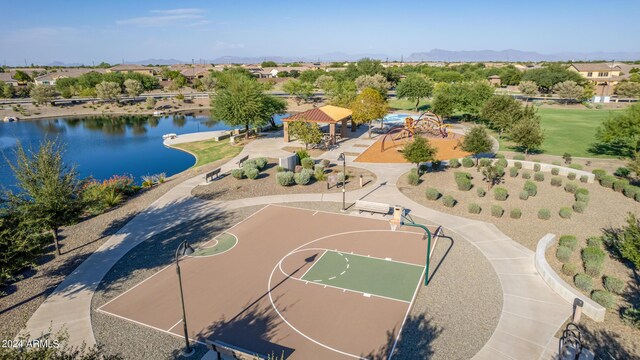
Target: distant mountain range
432, 55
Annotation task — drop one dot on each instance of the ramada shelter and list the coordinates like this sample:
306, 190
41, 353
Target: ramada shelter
327, 114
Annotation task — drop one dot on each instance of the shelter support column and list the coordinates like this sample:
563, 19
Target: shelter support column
332, 132
286, 131
343, 128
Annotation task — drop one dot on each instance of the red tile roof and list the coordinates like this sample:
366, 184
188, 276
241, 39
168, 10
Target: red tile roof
324, 114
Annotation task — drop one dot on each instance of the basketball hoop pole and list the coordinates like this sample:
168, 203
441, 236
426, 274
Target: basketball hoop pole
426, 230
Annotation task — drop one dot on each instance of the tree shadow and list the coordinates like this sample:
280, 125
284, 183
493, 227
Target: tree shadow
605, 344
415, 342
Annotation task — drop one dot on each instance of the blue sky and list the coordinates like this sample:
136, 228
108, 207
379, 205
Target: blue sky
85, 31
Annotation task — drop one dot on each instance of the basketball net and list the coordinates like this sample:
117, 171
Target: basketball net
394, 223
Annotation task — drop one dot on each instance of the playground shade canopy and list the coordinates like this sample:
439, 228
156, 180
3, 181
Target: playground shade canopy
327, 114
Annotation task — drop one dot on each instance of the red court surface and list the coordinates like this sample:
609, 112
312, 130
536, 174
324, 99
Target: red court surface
252, 295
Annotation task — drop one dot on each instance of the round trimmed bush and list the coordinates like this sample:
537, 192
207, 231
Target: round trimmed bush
614, 284
280, 168
524, 195
536, 167
518, 157
569, 241
500, 156
449, 201
303, 177
261, 162
454, 163
513, 172
599, 173
595, 241
502, 162
607, 181
319, 168
342, 177
526, 175
579, 207
584, 179
571, 176
593, 253
325, 163
630, 191
638, 196
319, 175
544, 214
237, 173
474, 208
463, 180
307, 163
515, 213
631, 317
285, 178
619, 185
517, 165
582, 191
467, 162
252, 173
593, 268
565, 212
563, 254
604, 298
555, 171
500, 193
556, 181
432, 194
531, 188
538, 176
622, 172
500, 171
485, 162
569, 269
481, 192
571, 187
413, 178
583, 282
497, 211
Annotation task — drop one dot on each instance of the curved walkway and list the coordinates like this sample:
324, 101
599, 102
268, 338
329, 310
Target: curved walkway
531, 312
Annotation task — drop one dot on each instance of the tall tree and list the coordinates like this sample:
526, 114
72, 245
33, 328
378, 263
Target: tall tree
6, 90
568, 90
342, 93
108, 91
527, 132
133, 87
22, 76
546, 77
324, 82
307, 133
302, 91
502, 112
528, 88
492, 175
472, 95
377, 82
628, 89
621, 132
273, 105
369, 105
414, 87
444, 100
266, 64
419, 150
49, 190
477, 141
43, 94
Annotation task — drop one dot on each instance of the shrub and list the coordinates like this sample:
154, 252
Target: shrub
583, 282
584, 179
565, 212
518, 157
448, 201
261, 162
517, 165
513, 172
280, 168
500, 171
500, 156
342, 177
593, 268
571, 176
524, 195
111, 197
463, 180
568, 241
638, 196
238, 173
544, 214
303, 177
556, 181
614, 285
563, 254
497, 211
252, 173
604, 298
593, 253
569, 269
622, 172
526, 175
538, 176
249, 165
454, 163
631, 316
481, 192
531, 188
555, 171
630, 191
432, 194
413, 178
571, 187
285, 178
500, 194
474, 208
619, 185
325, 163
318, 168
575, 166
484, 162
582, 191
607, 181
302, 154
599, 173
307, 163
502, 162
515, 213
579, 207
595, 241
536, 167
319, 174
467, 162
567, 158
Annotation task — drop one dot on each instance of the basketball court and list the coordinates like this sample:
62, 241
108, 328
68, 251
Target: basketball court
303, 283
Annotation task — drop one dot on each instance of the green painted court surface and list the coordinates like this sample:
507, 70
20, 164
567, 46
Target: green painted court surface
386, 278
225, 242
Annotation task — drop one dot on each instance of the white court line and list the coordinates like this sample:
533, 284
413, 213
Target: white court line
382, 259
220, 253
354, 291
314, 214
176, 324
314, 264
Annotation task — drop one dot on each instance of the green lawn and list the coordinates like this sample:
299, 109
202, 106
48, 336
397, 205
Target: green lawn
367, 275
404, 104
208, 151
568, 130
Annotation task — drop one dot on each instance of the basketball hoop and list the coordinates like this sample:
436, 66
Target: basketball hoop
393, 224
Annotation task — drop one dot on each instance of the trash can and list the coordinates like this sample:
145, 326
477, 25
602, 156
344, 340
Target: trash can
398, 211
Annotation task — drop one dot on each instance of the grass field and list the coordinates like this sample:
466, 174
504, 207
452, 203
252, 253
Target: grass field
568, 130
208, 151
404, 104
364, 274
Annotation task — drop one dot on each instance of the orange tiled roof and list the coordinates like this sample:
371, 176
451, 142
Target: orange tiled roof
323, 114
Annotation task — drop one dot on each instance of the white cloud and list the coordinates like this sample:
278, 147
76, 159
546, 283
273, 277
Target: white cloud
190, 11
166, 17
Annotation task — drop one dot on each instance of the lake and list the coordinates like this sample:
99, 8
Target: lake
102, 146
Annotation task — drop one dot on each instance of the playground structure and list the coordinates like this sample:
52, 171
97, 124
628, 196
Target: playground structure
427, 123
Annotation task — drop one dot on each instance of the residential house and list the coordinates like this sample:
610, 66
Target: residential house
140, 69
605, 76
6, 78
51, 77
495, 80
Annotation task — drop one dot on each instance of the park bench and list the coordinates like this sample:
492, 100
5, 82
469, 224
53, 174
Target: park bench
212, 175
372, 207
226, 351
242, 160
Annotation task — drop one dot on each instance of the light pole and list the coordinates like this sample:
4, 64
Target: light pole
344, 178
183, 250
